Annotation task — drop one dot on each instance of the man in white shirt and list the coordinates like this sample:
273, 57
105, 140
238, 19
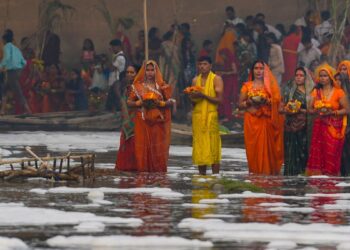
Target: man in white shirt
303, 21
308, 54
231, 16
325, 27
118, 66
118, 61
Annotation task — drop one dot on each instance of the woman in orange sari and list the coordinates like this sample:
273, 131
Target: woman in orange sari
331, 106
151, 95
263, 125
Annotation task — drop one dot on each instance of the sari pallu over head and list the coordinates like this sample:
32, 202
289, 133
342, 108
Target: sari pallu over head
162, 92
272, 88
332, 122
346, 87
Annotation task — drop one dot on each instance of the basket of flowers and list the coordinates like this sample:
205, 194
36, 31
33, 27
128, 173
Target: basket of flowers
257, 96
293, 106
322, 106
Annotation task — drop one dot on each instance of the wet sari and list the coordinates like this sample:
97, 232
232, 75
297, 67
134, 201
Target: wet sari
152, 126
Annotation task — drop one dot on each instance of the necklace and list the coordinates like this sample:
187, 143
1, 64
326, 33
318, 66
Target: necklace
327, 94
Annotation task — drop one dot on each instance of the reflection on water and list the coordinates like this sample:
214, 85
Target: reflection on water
251, 209
162, 215
202, 190
326, 186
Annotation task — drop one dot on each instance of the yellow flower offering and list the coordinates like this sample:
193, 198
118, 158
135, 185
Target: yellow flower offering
257, 95
293, 106
322, 106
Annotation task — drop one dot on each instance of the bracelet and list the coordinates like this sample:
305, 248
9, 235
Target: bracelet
162, 104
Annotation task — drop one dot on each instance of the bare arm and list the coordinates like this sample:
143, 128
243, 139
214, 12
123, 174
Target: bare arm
344, 102
219, 90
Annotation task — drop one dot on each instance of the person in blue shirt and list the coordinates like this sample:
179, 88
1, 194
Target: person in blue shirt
12, 64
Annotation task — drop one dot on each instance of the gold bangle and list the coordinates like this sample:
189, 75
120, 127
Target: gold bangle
162, 104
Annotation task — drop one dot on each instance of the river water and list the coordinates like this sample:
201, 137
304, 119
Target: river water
176, 210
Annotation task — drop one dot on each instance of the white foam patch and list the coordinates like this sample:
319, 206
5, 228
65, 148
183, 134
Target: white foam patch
186, 178
27, 216
339, 205
151, 242
105, 165
168, 195
317, 233
5, 152
304, 210
63, 141
90, 205
12, 244
214, 201
219, 216
343, 184
344, 246
120, 210
249, 194
70, 190
196, 205
319, 177
344, 196
282, 245
274, 204
90, 227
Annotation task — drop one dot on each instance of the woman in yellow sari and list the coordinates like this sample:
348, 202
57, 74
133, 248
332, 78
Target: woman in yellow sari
263, 124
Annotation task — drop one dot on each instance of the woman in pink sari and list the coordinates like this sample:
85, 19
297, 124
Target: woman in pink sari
331, 106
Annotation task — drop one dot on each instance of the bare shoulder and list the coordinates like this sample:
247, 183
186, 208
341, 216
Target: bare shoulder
194, 80
217, 79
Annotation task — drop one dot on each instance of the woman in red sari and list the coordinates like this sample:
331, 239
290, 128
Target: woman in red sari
331, 106
125, 157
151, 95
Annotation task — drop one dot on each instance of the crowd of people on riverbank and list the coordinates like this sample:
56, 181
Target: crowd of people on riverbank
291, 99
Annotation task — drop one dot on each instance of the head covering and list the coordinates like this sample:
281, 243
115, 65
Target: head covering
141, 75
330, 71
345, 84
346, 63
226, 42
272, 87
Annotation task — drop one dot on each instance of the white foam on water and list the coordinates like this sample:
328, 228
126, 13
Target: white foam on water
219, 216
149, 242
344, 246
168, 195
196, 205
5, 152
90, 227
316, 233
304, 210
282, 245
319, 177
344, 196
339, 205
274, 204
33, 216
120, 210
214, 201
186, 178
249, 194
12, 244
343, 184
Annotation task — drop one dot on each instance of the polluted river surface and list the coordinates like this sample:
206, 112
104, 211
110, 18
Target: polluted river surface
176, 210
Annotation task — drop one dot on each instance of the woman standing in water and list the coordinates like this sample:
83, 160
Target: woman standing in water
151, 97
331, 106
263, 124
296, 101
